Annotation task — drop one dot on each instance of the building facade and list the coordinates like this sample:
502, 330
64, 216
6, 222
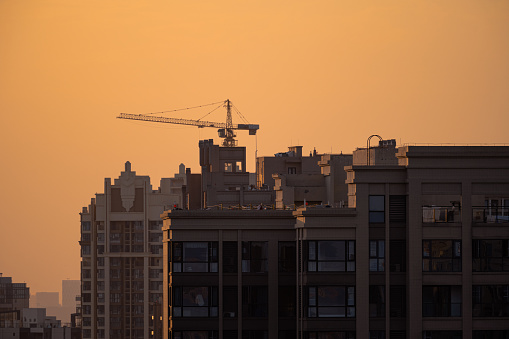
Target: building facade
421, 251
121, 250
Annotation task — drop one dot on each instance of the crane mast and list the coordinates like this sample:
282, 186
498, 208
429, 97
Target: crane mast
225, 130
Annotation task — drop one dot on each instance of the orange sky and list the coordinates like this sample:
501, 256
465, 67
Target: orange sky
324, 74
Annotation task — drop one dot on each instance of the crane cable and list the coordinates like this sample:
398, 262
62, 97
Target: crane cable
184, 109
210, 112
240, 114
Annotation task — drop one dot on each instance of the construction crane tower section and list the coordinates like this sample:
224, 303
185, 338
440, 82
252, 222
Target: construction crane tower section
225, 130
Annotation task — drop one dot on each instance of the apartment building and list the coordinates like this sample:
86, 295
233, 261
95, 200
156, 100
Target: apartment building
121, 250
14, 297
420, 251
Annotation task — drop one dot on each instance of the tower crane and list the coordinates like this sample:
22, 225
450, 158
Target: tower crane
225, 130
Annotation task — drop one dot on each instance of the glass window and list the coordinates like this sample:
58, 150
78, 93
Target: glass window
254, 334
329, 335
287, 258
490, 255
230, 301
287, 299
441, 301
376, 334
195, 334
441, 256
398, 301
331, 256
377, 255
442, 334
376, 208
85, 226
490, 300
194, 256
491, 334
397, 255
230, 260
377, 301
254, 256
331, 301
255, 301
195, 301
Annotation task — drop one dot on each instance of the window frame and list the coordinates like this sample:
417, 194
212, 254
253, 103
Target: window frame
430, 263
315, 264
315, 302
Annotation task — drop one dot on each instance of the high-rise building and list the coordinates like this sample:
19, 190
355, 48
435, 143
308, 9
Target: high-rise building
121, 249
419, 250
14, 297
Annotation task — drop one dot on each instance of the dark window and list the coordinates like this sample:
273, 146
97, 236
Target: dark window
194, 335
377, 301
377, 209
491, 334
230, 260
194, 256
376, 334
397, 255
441, 301
292, 170
254, 256
287, 259
377, 255
85, 226
398, 302
441, 335
490, 300
331, 301
230, 301
490, 255
331, 256
397, 334
286, 335
195, 301
441, 256
254, 334
287, 296
254, 301
397, 208
329, 335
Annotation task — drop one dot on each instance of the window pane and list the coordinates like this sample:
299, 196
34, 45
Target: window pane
376, 203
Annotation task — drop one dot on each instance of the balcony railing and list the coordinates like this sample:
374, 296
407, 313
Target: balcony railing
490, 214
440, 214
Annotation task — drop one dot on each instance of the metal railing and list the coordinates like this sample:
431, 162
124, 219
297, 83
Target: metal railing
440, 214
490, 214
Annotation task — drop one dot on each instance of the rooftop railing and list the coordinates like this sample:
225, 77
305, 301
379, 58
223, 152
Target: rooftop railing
440, 214
490, 214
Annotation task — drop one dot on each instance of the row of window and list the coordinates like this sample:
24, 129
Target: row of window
320, 256
338, 256
380, 334
338, 301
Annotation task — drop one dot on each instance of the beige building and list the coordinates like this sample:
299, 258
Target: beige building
291, 162
225, 182
421, 251
121, 250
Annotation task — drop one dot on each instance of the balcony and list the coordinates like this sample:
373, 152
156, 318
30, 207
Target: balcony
440, 214
489, 215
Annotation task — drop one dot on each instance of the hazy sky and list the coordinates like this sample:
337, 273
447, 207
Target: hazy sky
324, 74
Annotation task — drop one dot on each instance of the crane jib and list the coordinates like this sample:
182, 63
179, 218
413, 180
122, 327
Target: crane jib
142, 117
